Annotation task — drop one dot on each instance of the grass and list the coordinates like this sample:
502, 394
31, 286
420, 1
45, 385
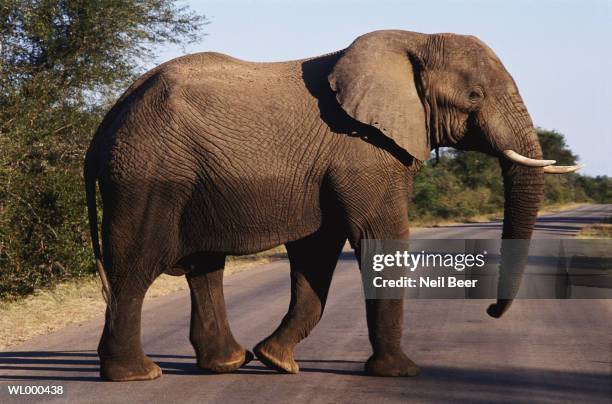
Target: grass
78, 300
597, 230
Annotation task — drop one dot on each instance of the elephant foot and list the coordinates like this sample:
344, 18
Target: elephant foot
276, 356
226, 363
391, 365
127, 370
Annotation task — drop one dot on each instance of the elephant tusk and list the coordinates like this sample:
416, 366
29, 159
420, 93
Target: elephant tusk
562, 169
526, 161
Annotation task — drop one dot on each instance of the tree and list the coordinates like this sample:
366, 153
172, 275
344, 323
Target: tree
554, 147
61, 64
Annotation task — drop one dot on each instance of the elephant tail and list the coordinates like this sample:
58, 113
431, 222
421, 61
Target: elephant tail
90, 175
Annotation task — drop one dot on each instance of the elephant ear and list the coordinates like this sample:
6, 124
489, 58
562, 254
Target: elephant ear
374, 83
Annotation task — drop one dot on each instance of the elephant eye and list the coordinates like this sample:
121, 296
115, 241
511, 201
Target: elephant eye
476, 95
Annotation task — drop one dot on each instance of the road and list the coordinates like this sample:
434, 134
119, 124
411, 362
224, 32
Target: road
541, 351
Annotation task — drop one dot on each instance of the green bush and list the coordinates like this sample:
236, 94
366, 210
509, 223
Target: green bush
43, 227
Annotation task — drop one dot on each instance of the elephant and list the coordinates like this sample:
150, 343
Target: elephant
206, 156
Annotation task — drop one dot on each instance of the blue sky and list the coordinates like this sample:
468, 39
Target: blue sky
557, 50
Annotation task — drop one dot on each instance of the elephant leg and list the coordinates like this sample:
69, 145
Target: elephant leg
215, 347
313, 260
385, 321
120, 349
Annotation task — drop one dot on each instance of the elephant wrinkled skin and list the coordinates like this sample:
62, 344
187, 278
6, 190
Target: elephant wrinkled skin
207, 155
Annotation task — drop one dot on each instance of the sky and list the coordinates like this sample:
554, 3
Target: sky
558, 51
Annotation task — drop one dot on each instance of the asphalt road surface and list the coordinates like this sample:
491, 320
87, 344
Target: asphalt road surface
541, 351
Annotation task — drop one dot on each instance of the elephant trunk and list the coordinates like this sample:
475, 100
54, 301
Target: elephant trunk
523, 191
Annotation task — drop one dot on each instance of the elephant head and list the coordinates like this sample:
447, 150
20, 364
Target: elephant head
424, 91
